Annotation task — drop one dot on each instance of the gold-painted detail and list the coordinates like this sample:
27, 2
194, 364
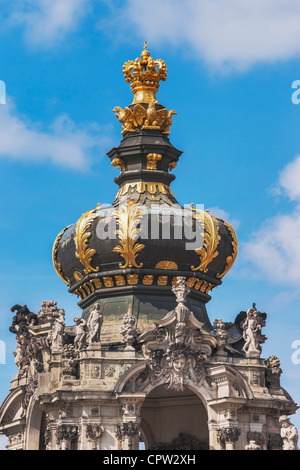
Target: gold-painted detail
152, 159
108, 281
204, 286
141, 118
83, 253
144, 75
120, 280
191, 281
172, 165
132, 279
56, 264
82, 292
97, 282
87, 288
128, 217
148, 280
90, 285
211, 238
230, 259
171, 265
78, 293
131, 119
77, 276
162, 280
143, 186
119, 163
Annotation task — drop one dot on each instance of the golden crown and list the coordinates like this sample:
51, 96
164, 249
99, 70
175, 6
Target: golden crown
144, 74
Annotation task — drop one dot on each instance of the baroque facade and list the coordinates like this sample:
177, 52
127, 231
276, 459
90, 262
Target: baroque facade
144, 362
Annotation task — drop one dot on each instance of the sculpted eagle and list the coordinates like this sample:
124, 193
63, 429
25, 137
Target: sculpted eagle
140, 117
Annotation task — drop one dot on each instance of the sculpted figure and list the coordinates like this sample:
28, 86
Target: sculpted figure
94, 323
129, 331
81, 333
288, 433
19, 358
252, 332
58, 329
220, 333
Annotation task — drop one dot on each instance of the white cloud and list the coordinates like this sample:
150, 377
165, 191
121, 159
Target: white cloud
63, 143
221, 214
275, 248
224, 33
290, 180
47, 22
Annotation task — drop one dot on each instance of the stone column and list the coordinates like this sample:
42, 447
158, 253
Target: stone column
227, 437
127, 434
66, 435
93, 434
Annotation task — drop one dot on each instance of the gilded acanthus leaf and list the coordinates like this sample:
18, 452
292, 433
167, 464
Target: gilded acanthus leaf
129, 216
211, 238
83, 252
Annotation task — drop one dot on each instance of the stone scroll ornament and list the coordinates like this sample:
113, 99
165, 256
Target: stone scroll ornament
176, 349
32, 353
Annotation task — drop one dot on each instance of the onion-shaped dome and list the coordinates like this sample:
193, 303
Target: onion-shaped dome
139, 244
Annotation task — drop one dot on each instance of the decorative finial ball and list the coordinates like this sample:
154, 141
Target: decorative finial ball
145, 53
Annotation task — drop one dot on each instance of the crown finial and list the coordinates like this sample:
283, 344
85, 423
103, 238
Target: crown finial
145, 53
144, 75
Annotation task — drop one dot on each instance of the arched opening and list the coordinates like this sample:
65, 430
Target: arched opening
42, 443
174, 421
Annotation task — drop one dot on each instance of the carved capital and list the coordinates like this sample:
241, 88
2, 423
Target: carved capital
228, 435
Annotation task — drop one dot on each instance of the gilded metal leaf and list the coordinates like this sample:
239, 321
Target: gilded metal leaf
83, 252
129, 217
211, 239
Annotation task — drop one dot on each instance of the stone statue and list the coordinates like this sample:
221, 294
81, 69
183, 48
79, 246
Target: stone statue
220, 333
94, 323
129, 331
255, 320
58, 329
19, 358
81, 333
181, 291
273, 372
289, 434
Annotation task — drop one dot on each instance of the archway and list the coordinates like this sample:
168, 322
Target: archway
174, 420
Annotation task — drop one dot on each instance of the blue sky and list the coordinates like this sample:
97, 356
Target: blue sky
231, 66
